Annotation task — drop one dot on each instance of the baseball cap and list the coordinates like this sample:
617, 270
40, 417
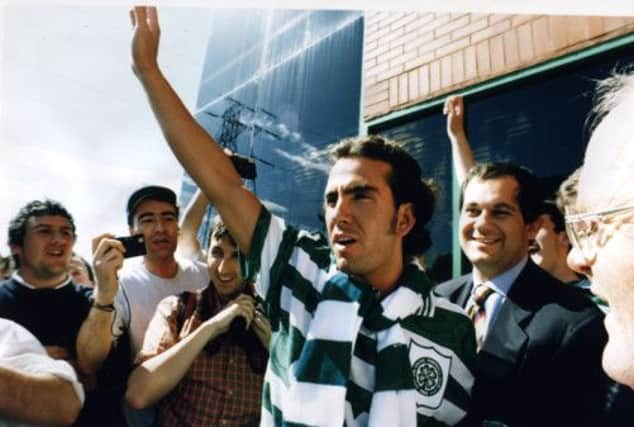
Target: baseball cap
150, 192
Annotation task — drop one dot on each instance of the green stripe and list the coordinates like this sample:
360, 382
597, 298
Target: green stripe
365, 349
324, 362
448, 329
359, 398
423, 420
340, 288
276, 413
393, 370
251, 264
317, 248
456, 394
300, 288
286, 347
416, 279
278, 267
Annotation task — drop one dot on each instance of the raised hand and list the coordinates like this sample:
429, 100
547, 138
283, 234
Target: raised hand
454, 110
107, 260
243, 306
145, 40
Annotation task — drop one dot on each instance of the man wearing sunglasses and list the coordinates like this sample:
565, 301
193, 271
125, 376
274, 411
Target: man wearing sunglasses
601, 221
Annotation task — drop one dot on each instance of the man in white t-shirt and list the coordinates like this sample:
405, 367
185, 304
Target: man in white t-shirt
152, 211
34, 388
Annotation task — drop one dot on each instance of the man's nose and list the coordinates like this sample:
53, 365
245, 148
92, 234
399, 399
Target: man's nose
341, 211
578, 262
482, 220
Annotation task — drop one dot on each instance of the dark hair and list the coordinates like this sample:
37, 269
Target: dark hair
150, 192
548, 207
528, 198
219, 230
36, 208
404, 181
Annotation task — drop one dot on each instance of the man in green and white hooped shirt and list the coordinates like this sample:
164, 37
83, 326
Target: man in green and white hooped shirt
363, 341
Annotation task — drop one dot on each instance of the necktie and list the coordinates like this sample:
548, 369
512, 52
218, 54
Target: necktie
477, 313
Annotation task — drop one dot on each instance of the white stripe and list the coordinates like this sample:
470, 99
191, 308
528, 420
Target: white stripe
335, 321
316, 276
269, 252
266, 419
308, 403
393, 408
445, 304
448, 413
362, 373
458, 370
388, 337
299, 317
401, 303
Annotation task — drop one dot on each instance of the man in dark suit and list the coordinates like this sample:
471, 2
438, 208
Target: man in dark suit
541, 341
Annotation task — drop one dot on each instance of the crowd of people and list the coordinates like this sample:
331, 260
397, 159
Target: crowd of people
274, 325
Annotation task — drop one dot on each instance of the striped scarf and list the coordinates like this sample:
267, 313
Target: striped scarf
310, 388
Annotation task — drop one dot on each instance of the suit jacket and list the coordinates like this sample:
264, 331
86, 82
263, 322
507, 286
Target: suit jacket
540, 364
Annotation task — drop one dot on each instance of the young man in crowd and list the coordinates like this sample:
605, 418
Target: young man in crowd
41, 297
205, 365
364, 340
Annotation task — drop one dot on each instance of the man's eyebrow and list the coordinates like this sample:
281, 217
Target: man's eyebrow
353, 189
505, 206
360, 188
146, 215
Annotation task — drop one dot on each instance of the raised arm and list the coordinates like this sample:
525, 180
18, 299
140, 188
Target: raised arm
460, 149
94, 340
188, 245
203, 159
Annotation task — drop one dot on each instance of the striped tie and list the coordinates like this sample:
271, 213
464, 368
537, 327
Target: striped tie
477, 313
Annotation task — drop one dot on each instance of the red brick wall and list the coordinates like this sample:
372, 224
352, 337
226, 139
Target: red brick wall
410, 57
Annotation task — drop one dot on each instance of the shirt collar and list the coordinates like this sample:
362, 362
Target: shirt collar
502, 283
15, 276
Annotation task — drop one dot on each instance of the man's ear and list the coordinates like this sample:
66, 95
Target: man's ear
15, 249
405, 219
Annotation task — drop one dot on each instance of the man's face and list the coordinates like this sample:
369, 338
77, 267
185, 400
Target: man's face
224, 268
47, 249
364, 228
604, 184
158, 223
493, 234
549, 247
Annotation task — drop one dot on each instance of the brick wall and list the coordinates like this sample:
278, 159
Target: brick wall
410, 57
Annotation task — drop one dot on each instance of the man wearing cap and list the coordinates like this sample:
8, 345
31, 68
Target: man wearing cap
153, 212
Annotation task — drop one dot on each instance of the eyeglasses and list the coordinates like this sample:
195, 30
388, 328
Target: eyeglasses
582, 226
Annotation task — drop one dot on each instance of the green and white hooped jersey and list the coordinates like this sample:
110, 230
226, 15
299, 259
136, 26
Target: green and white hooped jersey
322, 353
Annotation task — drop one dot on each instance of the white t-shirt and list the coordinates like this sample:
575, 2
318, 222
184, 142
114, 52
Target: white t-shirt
20, 350
141, 291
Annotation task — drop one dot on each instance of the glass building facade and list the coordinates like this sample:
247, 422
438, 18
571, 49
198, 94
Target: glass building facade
280, 86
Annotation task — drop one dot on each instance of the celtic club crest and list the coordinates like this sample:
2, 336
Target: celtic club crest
430, 371
428, 376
